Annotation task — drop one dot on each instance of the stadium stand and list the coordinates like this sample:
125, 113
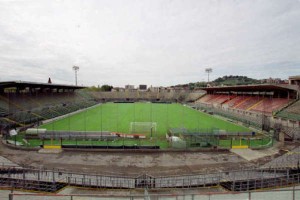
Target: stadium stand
289, 119
3, 112
222, 99
24, 103
268, 105
291, 112
235, 100
260, 106
3, 108
47, 108
206, 98
193, 96
255, 103
249, 103
253, 119
172, 95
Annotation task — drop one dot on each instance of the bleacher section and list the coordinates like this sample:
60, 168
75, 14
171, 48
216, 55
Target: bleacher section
246, 103
3, 112
222, 99
290, 120
206, 99
31, 102
136, 95
291, 112
234, 100
269, 105
193, 96
251, 119
3, 108
27, 108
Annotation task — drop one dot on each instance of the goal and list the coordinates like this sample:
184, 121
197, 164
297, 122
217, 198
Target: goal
142, 127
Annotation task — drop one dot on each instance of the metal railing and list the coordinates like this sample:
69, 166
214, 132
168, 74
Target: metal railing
238, 180
286, 194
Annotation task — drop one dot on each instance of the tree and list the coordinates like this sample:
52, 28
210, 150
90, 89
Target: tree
93, 89
106, 88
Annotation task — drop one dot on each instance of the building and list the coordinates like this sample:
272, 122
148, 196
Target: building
154, 89
143, 87
129, 87
294, 80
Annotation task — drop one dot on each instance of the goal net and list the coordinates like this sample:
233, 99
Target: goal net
142, 127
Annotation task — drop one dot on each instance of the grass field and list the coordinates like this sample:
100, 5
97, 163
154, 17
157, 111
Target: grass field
117, 117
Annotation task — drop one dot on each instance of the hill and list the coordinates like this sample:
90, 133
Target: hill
225, 80
235, 80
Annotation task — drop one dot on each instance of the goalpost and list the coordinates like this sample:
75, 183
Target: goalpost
143, 127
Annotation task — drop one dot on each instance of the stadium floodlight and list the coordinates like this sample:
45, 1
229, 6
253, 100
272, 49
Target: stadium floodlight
75, 68
208, 70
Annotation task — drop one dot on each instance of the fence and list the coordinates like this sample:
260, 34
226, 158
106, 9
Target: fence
286, 194
239, 180
256, 121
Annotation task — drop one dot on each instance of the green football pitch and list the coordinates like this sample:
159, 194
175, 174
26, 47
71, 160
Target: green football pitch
116, 117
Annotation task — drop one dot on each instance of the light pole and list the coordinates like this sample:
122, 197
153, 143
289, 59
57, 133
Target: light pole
208, 70
75, 68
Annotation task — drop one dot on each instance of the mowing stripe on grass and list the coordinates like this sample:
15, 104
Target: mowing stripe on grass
117, 117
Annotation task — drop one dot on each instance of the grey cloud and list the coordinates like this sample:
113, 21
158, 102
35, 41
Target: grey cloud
151, 41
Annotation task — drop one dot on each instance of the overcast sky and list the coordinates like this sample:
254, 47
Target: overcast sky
153, 42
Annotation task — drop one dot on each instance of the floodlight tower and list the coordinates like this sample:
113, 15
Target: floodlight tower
208, 70
75, 68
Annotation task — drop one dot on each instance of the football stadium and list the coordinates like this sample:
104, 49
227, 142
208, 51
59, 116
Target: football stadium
149, 100
212, 141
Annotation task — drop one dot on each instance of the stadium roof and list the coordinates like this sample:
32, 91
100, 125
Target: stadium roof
295, 77
258, 88
23, 84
